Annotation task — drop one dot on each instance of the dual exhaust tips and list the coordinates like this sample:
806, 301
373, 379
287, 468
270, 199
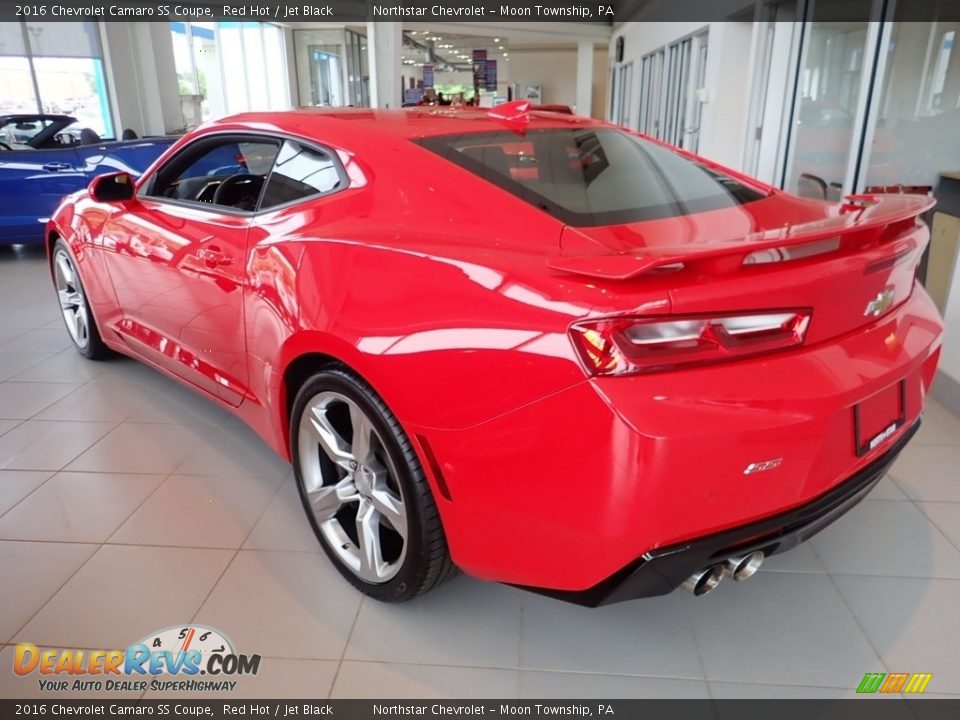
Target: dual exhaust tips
738, 567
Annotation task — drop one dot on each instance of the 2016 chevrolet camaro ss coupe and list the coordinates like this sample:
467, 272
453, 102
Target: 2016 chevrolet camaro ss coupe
539, 348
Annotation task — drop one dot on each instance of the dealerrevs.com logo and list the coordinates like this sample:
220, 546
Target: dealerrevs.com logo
173, 659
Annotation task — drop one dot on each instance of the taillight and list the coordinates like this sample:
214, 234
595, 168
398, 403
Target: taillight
629, 345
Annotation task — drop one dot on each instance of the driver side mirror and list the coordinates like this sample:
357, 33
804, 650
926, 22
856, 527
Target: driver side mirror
112, 187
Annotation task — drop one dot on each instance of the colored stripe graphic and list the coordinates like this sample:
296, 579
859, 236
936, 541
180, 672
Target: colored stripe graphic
918, 683
871, 682
894, 683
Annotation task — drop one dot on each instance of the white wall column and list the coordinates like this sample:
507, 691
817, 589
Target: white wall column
385, 48
584, 77
144, 93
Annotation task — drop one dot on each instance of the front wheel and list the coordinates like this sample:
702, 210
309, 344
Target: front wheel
74, 305
364, 490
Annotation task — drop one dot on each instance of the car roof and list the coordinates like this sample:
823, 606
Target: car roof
407, 123
36, 116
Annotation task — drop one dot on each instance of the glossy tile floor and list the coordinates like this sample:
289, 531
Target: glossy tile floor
128, 504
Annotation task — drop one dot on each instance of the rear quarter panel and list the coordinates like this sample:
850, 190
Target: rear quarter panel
447, 339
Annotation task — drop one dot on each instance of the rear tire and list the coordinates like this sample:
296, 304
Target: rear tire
364, 490
74, 306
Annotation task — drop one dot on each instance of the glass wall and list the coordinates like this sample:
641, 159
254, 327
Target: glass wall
332, 68
651, 82
671, 78
917, 127
358, 76
777, 38
55, 68
248, 58
827, 99
621, 85
198, 71
840, 107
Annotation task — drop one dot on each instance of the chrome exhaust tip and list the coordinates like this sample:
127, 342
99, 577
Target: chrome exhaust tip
744, 566
704, 581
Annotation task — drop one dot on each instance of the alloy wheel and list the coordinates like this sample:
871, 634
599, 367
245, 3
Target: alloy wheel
73, 303
352, 487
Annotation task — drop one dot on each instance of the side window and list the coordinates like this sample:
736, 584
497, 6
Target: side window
301, 172
23, 133
221, 172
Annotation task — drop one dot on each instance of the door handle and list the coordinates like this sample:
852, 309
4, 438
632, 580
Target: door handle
213, 257
57, 166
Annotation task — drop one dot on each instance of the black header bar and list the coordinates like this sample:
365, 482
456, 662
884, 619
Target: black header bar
311, 10
610, 12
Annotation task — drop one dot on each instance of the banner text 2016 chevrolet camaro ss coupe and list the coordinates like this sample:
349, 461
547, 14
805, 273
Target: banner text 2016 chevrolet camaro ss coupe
539, 348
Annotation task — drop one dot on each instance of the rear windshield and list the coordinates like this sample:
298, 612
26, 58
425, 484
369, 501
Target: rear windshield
592, 176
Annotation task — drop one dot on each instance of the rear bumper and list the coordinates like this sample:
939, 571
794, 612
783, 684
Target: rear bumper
569, 491
661, 571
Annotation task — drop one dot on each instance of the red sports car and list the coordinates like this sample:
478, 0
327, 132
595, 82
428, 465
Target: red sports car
536, 347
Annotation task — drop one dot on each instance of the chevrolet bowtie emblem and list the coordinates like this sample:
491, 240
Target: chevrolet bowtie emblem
880, 304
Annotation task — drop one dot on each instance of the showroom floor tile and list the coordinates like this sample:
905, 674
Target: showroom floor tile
102, 402
198, 511
292, 605
23, 400
47, 444
12, 364
880, 537
911, 622
61, 367
781, 629
129, 504
282, 526
140, 447
6, 425
622, 639
32, 573
17, 484
590, 686
396, 680
465, 623
123, 593
929, 472
78, 507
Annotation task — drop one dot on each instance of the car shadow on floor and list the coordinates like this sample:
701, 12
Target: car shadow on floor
17, 253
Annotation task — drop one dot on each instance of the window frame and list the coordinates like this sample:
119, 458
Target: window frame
337, 165
44, 133
146, 186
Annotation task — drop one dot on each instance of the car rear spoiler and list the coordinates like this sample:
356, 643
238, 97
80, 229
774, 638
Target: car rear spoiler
857, 214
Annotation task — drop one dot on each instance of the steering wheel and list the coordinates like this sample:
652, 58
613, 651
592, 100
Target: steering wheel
240, 191
4, 146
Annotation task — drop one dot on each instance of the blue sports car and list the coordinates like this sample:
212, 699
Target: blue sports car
44, 157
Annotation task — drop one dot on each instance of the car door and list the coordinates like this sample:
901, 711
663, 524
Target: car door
177, 257
32, 183
133, 156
